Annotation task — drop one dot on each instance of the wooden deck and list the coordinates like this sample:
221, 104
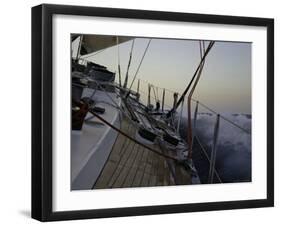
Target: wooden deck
132, 165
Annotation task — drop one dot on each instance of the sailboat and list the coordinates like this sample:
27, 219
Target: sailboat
119, 141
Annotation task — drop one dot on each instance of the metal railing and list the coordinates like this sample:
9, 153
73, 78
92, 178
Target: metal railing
213, 153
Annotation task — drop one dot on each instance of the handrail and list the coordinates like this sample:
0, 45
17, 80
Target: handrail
223, 117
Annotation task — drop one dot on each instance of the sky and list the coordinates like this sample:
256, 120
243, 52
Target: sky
225, 83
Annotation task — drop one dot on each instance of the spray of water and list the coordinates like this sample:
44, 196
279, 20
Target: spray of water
233, 160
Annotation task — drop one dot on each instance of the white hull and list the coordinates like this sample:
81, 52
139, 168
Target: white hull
91, 147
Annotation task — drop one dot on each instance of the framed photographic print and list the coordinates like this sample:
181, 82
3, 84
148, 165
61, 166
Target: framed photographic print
146, 112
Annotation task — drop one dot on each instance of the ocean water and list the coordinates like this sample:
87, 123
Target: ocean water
234, 152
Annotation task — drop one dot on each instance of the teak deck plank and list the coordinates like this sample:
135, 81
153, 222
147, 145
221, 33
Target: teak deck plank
126, 166
132, 165
153, 172
123, 159
140, 168
106, 175
147, 169
134, 168
111, 164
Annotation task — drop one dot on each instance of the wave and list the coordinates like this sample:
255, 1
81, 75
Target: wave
233, 161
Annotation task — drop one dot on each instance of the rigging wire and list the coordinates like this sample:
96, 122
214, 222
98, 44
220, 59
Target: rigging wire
140, 63
200, 47
189, 126
193, 77
129, 63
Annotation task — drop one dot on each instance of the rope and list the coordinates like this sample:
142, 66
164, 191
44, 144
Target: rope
132, 139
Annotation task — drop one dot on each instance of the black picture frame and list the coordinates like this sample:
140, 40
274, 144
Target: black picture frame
42, 111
